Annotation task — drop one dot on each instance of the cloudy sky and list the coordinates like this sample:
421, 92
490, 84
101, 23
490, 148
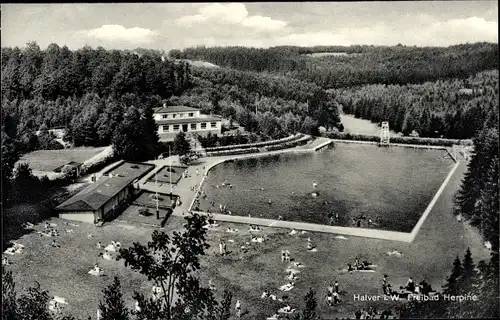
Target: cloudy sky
179, 25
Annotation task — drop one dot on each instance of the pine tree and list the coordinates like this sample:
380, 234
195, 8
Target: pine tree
452, 286
487, 207
113, 306
149, 130
468, 273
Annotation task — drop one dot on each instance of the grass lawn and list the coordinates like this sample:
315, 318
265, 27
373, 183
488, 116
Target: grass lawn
63, 271
48, 160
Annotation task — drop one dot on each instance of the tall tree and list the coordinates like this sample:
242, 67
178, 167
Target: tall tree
134, 139
113, 307
452, 285
171, 262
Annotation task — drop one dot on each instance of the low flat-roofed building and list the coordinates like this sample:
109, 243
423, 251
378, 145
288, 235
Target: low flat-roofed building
74, 167
98, 201
174, 119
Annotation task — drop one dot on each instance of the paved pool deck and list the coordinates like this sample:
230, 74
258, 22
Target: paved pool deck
188, 189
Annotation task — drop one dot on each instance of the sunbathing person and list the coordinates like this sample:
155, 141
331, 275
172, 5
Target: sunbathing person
329, 299
287, 287
287, 255
107, 256
54, 244
211, 286
99, 245
336, 297
291, 276
286, 309
410, 286
310, 246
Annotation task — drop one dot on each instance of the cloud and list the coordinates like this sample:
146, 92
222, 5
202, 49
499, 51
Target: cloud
465, 30
232, 14
118, 33
263, 23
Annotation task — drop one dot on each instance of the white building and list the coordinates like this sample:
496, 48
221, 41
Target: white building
173, 119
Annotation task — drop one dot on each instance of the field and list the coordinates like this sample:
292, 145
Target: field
63, 271
48, 160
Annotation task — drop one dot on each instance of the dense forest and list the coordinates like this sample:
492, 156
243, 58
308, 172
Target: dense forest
453, 108
270, 105
360, 65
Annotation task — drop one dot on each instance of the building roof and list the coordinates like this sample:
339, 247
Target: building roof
169, 109
97, 194
188, 120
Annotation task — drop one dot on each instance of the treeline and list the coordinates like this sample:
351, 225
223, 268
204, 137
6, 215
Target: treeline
266, 104
59, 72
362, 64
453, 109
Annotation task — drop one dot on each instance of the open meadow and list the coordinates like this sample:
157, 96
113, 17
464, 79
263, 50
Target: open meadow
48, 160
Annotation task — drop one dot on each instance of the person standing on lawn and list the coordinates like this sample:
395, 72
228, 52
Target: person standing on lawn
238, 308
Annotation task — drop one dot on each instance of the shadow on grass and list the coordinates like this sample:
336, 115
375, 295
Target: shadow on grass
17, 215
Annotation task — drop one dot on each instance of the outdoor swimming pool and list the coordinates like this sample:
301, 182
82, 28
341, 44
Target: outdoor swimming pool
391, 186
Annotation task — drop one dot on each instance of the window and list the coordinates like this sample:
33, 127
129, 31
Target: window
213, 124
166, 128
181, 115
164, 116
190, 114
193, 126
203, 125
176, 127
173, 115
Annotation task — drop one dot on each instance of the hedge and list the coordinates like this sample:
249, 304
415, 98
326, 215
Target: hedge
257, 144
402, 140
232, 152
